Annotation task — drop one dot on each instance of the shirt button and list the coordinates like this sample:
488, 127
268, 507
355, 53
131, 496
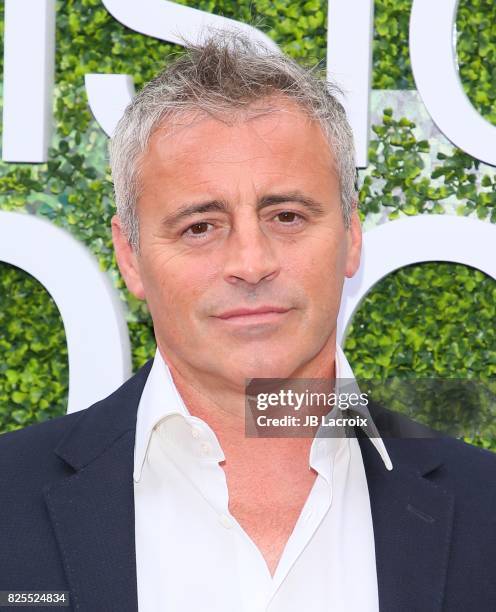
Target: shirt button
226, 521
195, 432
206, 448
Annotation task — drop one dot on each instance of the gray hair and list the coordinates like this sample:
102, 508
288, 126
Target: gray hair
226, 72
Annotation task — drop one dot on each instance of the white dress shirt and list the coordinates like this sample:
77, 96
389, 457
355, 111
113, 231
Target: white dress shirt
191, 553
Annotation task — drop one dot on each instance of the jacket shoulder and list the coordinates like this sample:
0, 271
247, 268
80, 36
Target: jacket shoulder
456, 464
471, 466
35, 437
30, 451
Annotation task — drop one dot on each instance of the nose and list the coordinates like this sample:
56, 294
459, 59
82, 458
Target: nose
250, 256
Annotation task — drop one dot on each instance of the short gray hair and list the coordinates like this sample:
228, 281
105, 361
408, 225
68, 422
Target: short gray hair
224, 73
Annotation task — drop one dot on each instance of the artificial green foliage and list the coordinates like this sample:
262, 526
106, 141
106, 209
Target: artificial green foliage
432, 319
458, 407
73, 190
427, 321
391, 59
33, 351
476, 50
395, 177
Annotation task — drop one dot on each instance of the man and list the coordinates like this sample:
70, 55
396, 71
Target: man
234, 179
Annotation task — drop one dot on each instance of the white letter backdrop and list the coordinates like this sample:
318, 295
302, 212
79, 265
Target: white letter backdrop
97, 338
91, 310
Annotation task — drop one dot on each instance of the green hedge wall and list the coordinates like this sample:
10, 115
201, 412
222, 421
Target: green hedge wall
428, 319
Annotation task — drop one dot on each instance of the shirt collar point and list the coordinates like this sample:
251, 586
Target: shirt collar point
382, 450
138, 469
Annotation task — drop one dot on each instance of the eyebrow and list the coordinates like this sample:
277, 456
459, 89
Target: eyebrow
313, 206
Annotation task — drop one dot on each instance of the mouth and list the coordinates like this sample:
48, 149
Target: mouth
254, 316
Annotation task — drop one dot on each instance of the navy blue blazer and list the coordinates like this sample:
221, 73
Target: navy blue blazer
67, 513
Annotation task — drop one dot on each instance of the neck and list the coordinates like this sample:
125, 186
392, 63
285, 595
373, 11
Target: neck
223, 406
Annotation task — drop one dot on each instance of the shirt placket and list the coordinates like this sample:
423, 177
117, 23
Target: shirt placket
316, 507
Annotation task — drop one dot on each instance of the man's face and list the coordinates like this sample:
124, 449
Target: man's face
236, 218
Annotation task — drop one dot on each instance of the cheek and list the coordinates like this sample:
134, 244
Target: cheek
321, 262
318, 270
175, 285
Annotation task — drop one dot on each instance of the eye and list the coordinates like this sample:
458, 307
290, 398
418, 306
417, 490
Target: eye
197, 229
289, 217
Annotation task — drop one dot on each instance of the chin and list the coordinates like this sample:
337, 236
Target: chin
265, 367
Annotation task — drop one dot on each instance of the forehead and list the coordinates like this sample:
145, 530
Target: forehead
274, 133
275, 122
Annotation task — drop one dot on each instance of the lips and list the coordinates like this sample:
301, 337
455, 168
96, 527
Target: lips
247, 312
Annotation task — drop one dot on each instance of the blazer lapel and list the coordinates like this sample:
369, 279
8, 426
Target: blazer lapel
92, 511
412, 518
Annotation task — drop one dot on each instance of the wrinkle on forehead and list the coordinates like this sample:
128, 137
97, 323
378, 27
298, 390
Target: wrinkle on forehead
175, 124
275, 139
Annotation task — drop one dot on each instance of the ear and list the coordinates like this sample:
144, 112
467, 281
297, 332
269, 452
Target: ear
127, 260
354, 243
